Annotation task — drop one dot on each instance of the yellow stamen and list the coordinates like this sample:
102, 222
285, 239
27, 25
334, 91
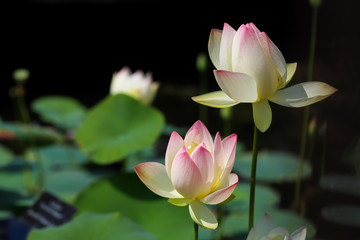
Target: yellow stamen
190, 148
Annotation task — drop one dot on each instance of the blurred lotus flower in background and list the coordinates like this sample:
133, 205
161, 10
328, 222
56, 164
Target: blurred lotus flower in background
266, 229
197, 171
251, 69
137, 85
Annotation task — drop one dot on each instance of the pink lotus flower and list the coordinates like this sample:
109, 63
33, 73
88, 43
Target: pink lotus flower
137, 85
251, 69
197, 172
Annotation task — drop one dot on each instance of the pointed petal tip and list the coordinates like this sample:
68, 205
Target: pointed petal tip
217, 99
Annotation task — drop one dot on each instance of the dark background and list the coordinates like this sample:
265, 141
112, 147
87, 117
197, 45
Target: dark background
73, 47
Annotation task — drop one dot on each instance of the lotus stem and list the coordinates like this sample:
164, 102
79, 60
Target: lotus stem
25, 118
202, 67
196, 231
307, 108
253, 178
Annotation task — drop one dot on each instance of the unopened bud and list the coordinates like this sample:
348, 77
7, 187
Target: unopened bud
21, 75
315, 3
312, 126
201, 62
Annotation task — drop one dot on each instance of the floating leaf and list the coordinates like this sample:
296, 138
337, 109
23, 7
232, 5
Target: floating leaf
28, 134
64, 112
57, 157
126, 194
69, 183
342, 183
5, 214
145, 155
345, 215
237, 224
93, 226
5, 156
272, 166
117, 126
9, 197
66, 183
352, 155
12, 177
265, 198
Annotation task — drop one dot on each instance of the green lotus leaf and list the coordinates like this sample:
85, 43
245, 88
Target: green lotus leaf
88, 226
61, 111
118, 126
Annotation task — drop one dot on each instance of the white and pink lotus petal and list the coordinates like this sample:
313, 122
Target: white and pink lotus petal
302, 94
155, 177
224, 191
202, 215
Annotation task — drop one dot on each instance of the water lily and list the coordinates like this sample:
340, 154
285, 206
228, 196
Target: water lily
251, 69
137, 85
266, 229
197, 172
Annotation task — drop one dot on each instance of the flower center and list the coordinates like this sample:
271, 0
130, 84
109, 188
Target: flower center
191, 147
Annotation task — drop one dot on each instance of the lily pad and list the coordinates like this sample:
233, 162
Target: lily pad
5, 214
272, 166
5, 156
237, 224
68, 184
345, 214
265, 198
28, 134
12, 177
57, 157
93, 226
126, 194
117, 126
9, 197
342, 184
61, 111
65, 183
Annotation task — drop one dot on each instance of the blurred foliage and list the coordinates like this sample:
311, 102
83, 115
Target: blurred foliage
343, 214
27, 135
272, 166
342, 183
94, 226
5, 156
352, 155
266, 198
126, 194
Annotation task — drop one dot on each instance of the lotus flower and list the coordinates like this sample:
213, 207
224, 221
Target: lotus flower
266, 229
197, 172
251, 69
136, 85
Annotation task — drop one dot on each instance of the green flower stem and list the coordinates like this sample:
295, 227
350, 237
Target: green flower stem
323, 155
226, 115
25, 117
221, 212
202, 67
307, 109
196, 231
253, 178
